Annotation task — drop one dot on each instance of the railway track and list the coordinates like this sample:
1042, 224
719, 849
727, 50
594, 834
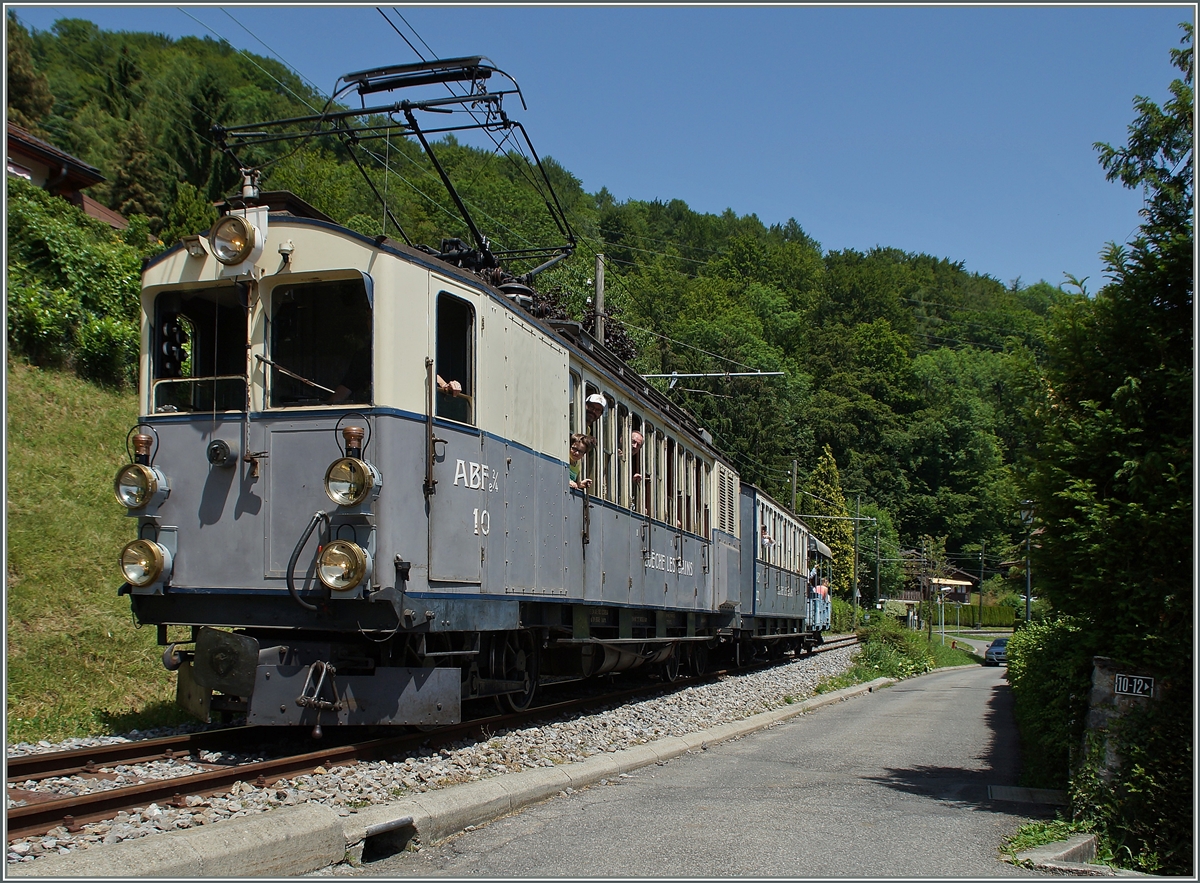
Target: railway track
198, 778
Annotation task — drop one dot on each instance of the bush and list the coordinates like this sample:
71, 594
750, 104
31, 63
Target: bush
1049, 667
106, 351
41, 320
1143, 811
73, 287
841, 617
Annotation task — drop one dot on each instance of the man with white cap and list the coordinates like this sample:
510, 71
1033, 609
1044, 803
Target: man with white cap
594, 406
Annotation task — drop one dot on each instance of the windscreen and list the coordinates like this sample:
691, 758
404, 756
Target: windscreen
320, 344
199, 350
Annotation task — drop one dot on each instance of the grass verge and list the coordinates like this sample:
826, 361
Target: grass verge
76, 663
891, 651
1042, 833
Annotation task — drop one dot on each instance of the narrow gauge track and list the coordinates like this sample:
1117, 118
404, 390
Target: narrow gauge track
45, 813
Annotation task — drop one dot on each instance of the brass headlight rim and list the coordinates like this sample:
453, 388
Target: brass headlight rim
367, 484
248, 239
151, 484
356, 552
157, 554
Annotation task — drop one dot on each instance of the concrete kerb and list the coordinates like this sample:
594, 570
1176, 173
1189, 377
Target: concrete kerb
1072, 856
284, 842
297, 840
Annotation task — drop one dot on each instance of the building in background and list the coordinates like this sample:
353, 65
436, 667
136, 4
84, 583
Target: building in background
45, 166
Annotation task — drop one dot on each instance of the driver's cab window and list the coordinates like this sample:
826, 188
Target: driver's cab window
320, 344
455, 363
199, 341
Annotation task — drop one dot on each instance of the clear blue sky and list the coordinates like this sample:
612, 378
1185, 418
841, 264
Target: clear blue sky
963, 132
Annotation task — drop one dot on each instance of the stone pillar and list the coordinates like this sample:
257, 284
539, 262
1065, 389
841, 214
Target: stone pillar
1106, 706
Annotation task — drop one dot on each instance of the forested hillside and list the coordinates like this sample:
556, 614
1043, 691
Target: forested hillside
912, 372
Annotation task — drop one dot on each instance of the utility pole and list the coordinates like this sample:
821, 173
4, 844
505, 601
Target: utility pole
599, 326
928, 593
854, 567
982, 547
877, 590
794, 488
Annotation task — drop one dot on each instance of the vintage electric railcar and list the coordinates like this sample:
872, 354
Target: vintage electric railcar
351, 480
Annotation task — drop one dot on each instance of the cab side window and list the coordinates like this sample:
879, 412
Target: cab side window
455, 361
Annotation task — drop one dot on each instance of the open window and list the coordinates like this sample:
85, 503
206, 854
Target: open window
320, 344
455, 362
607, 439
199, 346
637, 465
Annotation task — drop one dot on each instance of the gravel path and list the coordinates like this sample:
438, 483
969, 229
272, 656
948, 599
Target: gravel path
564, 740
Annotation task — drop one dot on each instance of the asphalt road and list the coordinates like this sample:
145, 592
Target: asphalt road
893, 784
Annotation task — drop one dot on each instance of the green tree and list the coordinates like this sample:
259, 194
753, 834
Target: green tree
1113, 479
823, 496
29, 96
134, 188
189, 213
1114, 487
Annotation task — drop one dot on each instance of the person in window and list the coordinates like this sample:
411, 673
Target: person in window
581, 446
594, 406
356, 382
636, 440
452, 401
767, 540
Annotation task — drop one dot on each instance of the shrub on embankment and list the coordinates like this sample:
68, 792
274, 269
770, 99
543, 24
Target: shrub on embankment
73, 286
1142, 810
889, 650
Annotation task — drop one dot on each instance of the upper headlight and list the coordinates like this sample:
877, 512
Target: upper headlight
348, 481
232, 239
342, 565
134, 486
143, 562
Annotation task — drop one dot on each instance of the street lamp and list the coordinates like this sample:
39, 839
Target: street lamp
1027, 520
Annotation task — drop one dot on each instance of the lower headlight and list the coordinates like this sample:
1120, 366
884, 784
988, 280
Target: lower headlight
134, 485
342, 565
143, 562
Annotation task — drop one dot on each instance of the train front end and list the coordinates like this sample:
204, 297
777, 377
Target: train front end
264, 553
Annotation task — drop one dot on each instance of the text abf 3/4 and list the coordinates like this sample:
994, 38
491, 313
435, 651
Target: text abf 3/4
476, 476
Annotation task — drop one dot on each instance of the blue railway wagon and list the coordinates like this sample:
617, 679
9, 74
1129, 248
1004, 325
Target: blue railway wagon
782, 564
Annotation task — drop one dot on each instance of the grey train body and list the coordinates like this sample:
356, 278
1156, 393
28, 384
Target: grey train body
483, 571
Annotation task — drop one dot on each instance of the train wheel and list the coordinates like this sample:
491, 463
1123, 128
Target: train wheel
698, 659
670, 668
515, 658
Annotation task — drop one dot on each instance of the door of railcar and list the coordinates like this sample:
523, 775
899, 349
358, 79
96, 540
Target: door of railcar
458, 504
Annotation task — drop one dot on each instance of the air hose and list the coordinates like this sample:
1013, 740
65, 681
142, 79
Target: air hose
318, 516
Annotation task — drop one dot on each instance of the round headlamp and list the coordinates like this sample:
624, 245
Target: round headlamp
348, 481
232, 239
135, 485
342, 565
143, 562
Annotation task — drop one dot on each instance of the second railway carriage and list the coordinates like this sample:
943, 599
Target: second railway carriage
351, 481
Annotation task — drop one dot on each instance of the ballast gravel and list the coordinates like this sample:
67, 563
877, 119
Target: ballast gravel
566, 739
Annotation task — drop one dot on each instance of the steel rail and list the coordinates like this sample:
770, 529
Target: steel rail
66, 763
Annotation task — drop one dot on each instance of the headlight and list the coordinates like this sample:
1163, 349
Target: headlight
232, 239
143, 562
342, 565
348, 481
134, 486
